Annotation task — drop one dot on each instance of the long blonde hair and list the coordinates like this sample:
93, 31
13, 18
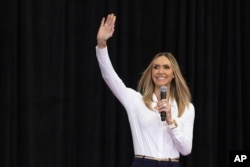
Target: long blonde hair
179, 89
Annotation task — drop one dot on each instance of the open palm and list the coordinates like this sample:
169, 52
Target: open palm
106, 28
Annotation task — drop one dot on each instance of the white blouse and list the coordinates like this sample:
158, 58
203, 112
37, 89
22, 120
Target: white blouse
151, 136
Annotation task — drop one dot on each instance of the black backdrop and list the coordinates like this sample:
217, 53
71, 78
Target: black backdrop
56, 110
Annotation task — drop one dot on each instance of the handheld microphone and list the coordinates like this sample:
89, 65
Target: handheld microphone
163, 96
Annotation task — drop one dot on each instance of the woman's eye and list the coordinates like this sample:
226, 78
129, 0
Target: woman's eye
166, 67
156, 67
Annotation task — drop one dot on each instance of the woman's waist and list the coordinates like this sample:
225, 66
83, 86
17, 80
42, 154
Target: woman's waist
176, 159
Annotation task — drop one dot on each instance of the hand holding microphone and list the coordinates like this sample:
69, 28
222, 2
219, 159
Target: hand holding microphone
163, 96
164, 106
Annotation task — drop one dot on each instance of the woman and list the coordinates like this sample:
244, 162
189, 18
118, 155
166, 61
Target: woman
156, 142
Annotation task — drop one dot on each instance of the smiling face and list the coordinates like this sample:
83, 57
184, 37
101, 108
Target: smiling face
162, 72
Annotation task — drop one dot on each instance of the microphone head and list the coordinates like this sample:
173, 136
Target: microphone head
163, 89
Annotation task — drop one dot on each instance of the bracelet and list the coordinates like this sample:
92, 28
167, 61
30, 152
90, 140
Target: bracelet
174, 125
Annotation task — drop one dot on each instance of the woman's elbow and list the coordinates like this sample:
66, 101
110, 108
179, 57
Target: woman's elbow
186, 150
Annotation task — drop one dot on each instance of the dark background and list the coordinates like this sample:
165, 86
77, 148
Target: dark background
55, 109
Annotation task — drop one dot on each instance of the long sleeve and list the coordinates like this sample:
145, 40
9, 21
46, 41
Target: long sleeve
110, 77
183, 134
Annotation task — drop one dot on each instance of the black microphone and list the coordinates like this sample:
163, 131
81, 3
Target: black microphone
163, 96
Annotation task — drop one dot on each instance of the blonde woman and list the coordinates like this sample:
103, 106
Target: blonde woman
158, 141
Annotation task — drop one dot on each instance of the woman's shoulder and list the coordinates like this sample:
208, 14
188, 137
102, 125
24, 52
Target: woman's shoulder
190, 109
191, 105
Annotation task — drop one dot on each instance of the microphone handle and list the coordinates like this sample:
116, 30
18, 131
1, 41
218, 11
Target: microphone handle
163, 115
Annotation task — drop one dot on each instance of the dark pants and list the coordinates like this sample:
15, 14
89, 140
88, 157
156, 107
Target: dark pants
140, 162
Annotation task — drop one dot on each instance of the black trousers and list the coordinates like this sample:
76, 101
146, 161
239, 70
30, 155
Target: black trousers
140, 162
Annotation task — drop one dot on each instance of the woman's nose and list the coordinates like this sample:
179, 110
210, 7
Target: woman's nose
160, 70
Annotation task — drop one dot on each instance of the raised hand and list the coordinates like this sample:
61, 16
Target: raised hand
106, 30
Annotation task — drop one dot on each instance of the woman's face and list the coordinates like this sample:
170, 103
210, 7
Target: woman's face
162, 71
